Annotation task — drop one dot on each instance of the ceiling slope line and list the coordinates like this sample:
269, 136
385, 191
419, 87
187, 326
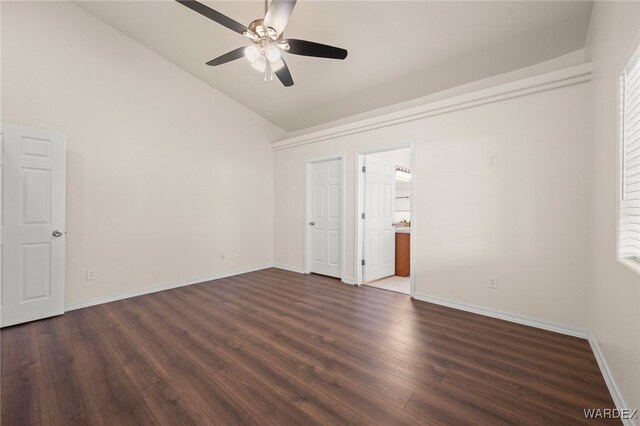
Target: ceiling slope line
548, 81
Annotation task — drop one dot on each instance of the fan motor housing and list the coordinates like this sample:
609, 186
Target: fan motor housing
258, 28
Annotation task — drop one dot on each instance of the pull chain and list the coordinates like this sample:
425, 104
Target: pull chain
268, 72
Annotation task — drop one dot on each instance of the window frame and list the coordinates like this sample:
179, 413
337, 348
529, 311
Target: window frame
632, 263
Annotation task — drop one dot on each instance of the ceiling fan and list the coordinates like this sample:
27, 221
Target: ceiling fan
268, 43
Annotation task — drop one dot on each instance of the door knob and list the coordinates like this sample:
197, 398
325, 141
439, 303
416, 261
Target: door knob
57, 233
312, 223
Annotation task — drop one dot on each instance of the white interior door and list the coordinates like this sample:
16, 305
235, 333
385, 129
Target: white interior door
32, 164
379, 233
325, 217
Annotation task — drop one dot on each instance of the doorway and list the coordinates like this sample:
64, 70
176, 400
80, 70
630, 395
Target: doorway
324, 217
385, 219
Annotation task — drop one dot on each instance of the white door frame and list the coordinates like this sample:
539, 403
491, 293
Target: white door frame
308, 193
359, 161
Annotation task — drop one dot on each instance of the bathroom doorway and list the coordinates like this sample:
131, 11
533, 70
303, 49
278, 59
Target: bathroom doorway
384, 231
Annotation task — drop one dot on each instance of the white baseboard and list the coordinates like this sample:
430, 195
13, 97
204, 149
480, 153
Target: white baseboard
493, 313
289, 268
608, 378
128, 294
297, 270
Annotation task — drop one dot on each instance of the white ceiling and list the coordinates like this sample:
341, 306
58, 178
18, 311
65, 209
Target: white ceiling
397, 50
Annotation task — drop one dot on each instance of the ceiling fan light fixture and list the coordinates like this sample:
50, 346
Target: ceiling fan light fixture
273, 53
252, 53
251, 35
268, 43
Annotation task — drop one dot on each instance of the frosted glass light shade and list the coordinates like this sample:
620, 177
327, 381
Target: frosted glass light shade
252, 53
273, 53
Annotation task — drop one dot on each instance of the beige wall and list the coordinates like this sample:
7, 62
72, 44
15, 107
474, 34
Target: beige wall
400, 157
164, 172
614, 308
523, 220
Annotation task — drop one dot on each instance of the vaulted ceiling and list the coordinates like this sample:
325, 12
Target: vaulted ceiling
398, 50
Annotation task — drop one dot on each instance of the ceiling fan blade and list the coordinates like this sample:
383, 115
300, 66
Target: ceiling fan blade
278, 14
283, 74
318, 50
214, 15
228, 57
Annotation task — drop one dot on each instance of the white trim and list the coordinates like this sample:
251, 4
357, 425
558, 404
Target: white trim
630, 264
343, 217
289, 268
349, 281
297, 270
553, 80
608, 378
155, 289
359, 185
413, 204
307, 203
507, 316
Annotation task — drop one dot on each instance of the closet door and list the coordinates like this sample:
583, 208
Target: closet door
32, 166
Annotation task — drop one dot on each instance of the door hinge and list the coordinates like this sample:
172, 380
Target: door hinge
362, 262
364, 169
363, 215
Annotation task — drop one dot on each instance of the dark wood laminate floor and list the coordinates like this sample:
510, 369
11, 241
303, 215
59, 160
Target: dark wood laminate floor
275, 347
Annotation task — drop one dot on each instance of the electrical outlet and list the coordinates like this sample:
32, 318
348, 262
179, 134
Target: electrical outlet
221, 256
493, 282
238, 253
91, 274
493, 160
289, 251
